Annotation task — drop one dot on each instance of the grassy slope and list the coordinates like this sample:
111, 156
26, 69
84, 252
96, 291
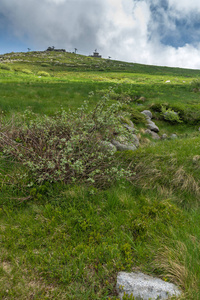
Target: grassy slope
69, 242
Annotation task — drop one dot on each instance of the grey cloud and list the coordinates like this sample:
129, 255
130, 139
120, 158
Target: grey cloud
63, 24
161, 32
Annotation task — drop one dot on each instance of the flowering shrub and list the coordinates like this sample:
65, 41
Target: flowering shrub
68, 147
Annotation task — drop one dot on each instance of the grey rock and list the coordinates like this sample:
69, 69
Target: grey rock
136, 141
130, 128
153, 134
173, 136
123, 147
145, 287
199, 128
164, 136
108, 145
152, 126
147, 113
133, 140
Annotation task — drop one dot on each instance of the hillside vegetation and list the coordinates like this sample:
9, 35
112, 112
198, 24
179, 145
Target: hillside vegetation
73, 211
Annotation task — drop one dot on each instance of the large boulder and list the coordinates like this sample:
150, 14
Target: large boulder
144, 287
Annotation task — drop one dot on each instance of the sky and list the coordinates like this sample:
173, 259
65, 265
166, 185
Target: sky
154, 32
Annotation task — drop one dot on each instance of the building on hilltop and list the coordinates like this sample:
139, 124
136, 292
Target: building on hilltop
96, 54
53, 49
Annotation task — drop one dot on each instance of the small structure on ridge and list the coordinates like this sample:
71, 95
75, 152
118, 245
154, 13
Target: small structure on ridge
96, 54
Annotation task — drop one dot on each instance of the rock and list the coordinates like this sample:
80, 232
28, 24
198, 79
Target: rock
199, 128
164, 136
133, 140
123, 147
153, 134
136, 141
173, 136
152, 126
144, 287
147, 113
108, 145
130, 128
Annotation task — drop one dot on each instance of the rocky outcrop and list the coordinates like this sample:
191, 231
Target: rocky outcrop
150, 124
144, 287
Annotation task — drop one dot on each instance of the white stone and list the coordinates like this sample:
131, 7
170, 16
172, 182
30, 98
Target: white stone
144, 287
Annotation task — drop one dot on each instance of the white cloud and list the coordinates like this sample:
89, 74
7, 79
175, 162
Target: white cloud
186, 5
123, 29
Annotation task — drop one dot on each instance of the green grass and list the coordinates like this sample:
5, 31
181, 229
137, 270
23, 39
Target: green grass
63, 241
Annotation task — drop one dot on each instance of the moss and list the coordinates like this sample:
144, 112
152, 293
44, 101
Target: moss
42, 73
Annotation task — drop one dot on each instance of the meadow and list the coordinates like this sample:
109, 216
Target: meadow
71, 218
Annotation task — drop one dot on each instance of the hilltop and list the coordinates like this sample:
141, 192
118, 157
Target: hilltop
54, 61
74, 211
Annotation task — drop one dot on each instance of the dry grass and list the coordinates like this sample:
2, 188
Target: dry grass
174, 264
186, 182
165, 176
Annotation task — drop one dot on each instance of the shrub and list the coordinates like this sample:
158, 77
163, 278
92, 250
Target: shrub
42, 73
170, 115
195, 85
157, 107
26, 71
45, 65
5, 67
135, 116
68, 147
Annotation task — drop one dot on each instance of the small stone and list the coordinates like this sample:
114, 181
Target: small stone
173, 136
164, 136
145, 287
152, 126
153, 134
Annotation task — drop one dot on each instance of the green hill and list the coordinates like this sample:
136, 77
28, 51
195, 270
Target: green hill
73, 211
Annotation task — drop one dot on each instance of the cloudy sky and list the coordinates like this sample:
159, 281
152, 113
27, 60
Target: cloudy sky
157, 32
